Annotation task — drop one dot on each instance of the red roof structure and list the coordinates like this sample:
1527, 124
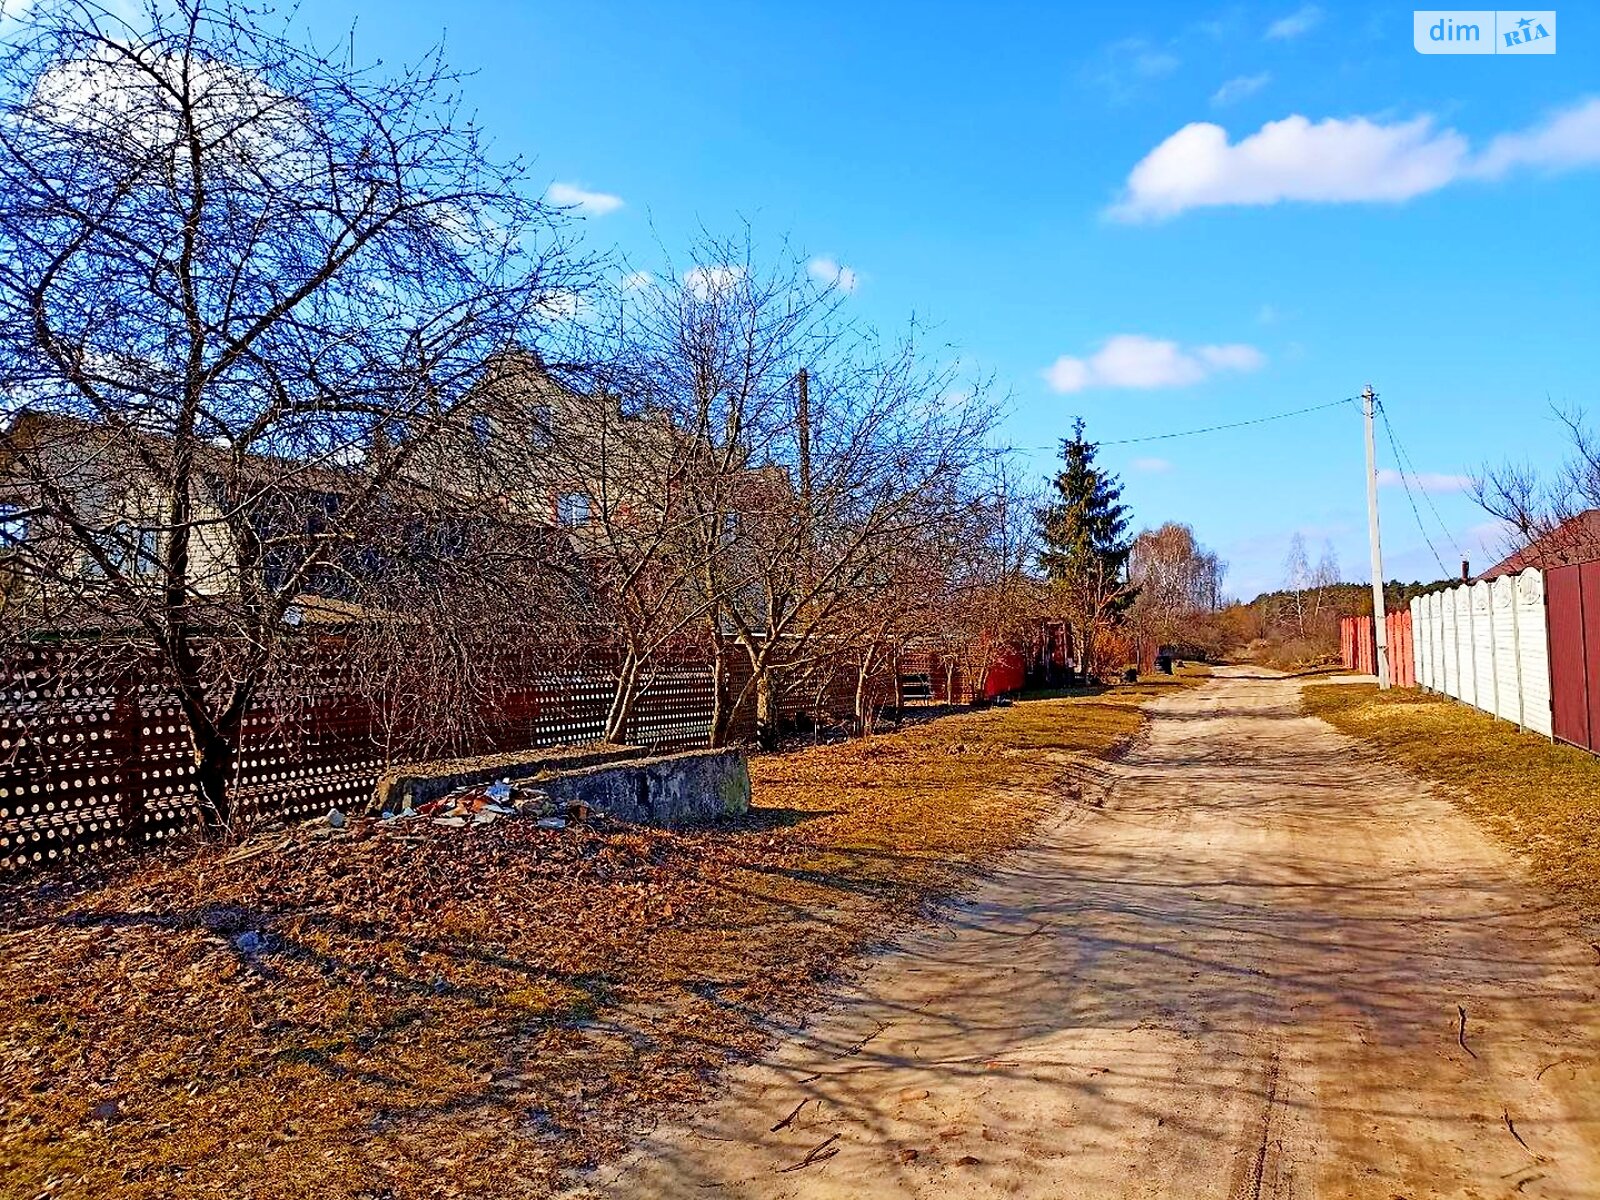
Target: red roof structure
1575, 540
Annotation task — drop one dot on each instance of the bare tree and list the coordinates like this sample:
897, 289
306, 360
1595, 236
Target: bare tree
246, 292
1543, 517
993, 598
470, 608
1179, 581
619, 469
817, 452
1297, 579
1324, 576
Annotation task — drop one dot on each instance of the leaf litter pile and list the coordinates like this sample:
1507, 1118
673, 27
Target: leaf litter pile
422, 1011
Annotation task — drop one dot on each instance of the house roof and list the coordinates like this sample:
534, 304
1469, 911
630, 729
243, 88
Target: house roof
1575, 540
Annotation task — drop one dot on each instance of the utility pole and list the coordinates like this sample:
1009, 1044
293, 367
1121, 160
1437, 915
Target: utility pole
803, 426
1380, 631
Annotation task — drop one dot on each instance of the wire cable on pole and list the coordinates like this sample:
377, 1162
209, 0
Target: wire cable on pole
1405, 482
1161, 437
1404, 456
1182, 433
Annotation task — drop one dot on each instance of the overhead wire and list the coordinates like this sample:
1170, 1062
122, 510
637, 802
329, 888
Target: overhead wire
1405, 482
1182, 433
1404, 455
1405, 467
1161, 437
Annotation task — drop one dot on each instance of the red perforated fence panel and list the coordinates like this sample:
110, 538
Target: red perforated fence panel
93, 764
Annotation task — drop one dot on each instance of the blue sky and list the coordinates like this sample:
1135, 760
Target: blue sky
1159, 217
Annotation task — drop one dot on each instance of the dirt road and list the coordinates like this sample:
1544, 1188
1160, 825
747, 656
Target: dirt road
1240, 973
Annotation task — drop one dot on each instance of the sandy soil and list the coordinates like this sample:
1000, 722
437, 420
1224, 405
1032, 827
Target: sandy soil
1241, 972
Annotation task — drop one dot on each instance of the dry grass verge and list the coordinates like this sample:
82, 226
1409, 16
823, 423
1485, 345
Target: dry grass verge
1541, 799
441, 1012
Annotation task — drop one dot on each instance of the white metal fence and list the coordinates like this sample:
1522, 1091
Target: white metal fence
1485, 644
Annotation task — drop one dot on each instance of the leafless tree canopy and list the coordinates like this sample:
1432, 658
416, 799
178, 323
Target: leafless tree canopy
818, 458
1179, 582
1542, 515
247, 296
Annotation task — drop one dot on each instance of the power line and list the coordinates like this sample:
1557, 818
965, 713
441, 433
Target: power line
1182, 433
1405, 457
1161, 437
1405, 482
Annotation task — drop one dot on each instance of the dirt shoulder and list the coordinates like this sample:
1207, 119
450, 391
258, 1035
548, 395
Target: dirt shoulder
457, 1012
1539, 798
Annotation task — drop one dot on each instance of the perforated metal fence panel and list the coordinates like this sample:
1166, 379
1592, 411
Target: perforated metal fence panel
90, 765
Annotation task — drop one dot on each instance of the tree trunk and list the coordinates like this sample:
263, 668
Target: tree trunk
213, 778
721, 714
863, 723
766, 709
622, 702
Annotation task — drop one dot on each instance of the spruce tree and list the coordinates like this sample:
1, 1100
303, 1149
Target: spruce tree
1086, 546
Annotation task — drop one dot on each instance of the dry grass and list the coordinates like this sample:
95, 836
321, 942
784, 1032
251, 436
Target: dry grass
466, 1012
1541, 799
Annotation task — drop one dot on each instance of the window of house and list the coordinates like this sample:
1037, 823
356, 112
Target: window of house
572, 508
132, 550
539, 424
13, 526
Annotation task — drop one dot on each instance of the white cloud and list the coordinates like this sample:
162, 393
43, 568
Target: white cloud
1152, 466
1152, 64
1132, 360
561, 305
1292, 159
130, 96
1232, 357
1240, 87
1123, 69
1342, 160
1567, 139
705, 282
827, 271
1302, 21
1495, 538
591, 204
1428, 481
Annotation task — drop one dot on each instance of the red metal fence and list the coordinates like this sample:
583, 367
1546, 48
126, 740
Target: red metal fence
1358, 653
1572, 597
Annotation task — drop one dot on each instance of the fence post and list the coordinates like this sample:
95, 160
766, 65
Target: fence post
128, 723
1516, 644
